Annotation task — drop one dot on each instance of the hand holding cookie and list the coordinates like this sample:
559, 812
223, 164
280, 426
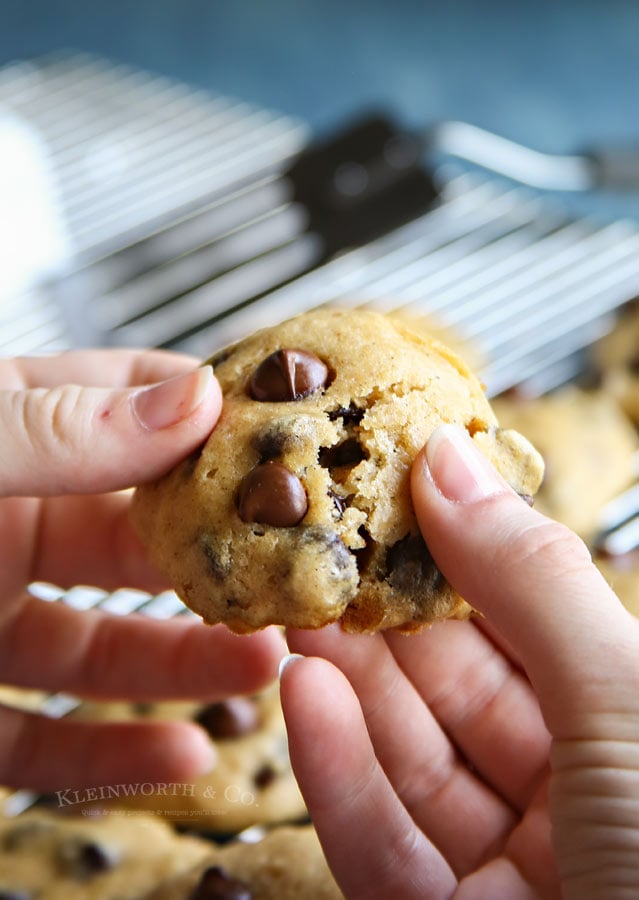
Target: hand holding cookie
77, 430
493, 757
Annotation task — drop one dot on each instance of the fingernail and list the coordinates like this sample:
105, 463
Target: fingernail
460, 472
286, 661
170, 402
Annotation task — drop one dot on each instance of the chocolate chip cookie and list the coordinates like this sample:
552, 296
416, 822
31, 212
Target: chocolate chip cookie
588, 446
51, 857
287, 864
297, 510
616, 358
251, 783
622, 574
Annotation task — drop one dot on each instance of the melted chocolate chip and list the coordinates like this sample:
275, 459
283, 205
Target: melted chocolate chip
351, 414
273, 495
411, 568
94, 858
272, 442
264, 776
230, 719
216, 884
83, 859
347, 454
287, 375
328, 543
8, 894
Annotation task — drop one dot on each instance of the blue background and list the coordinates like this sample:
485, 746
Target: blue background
558, 76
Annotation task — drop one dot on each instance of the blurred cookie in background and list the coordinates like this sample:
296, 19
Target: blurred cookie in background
125, 856
622, 574
287, 864
252, 782
588, 445
616, 360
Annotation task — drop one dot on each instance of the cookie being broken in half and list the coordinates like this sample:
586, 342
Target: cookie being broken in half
297, 510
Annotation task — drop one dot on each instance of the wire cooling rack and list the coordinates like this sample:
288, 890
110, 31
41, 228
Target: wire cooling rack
187, 233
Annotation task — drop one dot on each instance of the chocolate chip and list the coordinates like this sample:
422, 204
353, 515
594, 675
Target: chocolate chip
272, 441
287, 375
93, 859
348, 453
351, 414
273, 495
83, 859
9, 894
264, 776
230, 719
216, 884
411, 568
330, 545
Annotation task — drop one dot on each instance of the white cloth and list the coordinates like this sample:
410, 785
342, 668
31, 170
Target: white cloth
33, 240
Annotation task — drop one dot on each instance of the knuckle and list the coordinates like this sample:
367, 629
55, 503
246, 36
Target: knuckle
51, 419
545, 546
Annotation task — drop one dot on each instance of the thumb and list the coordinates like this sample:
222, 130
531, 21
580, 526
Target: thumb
531, 577
73, 440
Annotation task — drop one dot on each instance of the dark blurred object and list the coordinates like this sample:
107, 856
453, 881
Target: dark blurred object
363, 182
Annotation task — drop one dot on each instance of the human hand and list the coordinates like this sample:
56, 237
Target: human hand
489, 759
75, 432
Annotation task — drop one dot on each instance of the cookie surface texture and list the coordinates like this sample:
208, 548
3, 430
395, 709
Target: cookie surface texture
251, 783
622, 575
297, 510
287, 864
588, 446
616, 358
49, 856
